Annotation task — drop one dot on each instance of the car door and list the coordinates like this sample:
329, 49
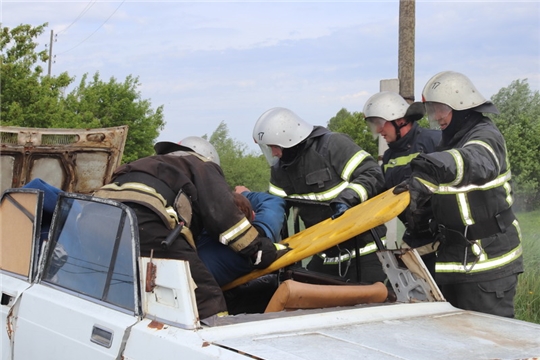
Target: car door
20, 211
86, 296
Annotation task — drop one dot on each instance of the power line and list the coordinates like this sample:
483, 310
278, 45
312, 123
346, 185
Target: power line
84, 11
94, 30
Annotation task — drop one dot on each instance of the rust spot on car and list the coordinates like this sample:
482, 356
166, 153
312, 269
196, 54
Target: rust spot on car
96, 137
205, 344
9, 324
156, 325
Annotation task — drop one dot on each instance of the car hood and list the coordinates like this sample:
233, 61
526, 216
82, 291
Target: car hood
398, 331
74, 160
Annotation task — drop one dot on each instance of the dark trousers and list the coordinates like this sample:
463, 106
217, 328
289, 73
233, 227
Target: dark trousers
152, 231
253, 296
491, 297
369, 272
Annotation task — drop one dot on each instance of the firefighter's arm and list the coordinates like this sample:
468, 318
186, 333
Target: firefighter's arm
483, 160
422, 184
357, 167
222, 217
259, 249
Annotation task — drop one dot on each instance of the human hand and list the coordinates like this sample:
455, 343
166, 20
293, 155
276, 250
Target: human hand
266, 254
338, 209
240, 189
420, 194
282, 249
401, 187
418, 225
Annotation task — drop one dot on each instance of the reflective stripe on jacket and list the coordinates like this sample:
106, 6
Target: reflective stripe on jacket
211, 198
473, 187
397, 158
396, 169
145, 195
330, 167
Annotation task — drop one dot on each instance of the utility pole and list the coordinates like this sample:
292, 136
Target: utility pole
50, 53
404, 85
407, 21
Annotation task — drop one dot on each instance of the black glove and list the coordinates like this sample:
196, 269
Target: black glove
267, 252
420, 195
338, 208
401, 187
282, 249
417, 223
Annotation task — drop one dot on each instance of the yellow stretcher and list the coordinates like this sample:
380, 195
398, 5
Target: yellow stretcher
358, 219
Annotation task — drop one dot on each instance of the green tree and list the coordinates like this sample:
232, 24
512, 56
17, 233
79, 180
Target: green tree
105, 104
240, 166
338, 121
29, 98
356, 127
519, 122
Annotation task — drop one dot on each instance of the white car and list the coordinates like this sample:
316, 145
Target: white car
83, 292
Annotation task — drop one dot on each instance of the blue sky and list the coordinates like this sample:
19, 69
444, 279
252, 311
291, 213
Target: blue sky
208, 62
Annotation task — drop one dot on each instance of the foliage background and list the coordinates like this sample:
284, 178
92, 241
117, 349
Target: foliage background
519, 122
31, 98
527, 300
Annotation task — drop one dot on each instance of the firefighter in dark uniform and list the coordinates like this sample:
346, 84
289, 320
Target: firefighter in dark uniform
311, 165
468, 181
184, 182
388, 114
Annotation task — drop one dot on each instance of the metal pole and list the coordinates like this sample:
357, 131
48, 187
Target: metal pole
406, 49
50, 53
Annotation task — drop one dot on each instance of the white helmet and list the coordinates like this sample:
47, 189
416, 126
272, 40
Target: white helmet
280, 127
457, 91
390, 106
201, 147
193, 143
386, 105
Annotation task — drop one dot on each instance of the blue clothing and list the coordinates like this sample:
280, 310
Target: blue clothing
224, 263
269, 213
50, 195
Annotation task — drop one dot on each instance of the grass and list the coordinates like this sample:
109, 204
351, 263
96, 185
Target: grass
527, 300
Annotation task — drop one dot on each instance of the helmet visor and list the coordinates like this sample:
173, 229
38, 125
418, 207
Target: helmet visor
436, 112
375, 124
267, 152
